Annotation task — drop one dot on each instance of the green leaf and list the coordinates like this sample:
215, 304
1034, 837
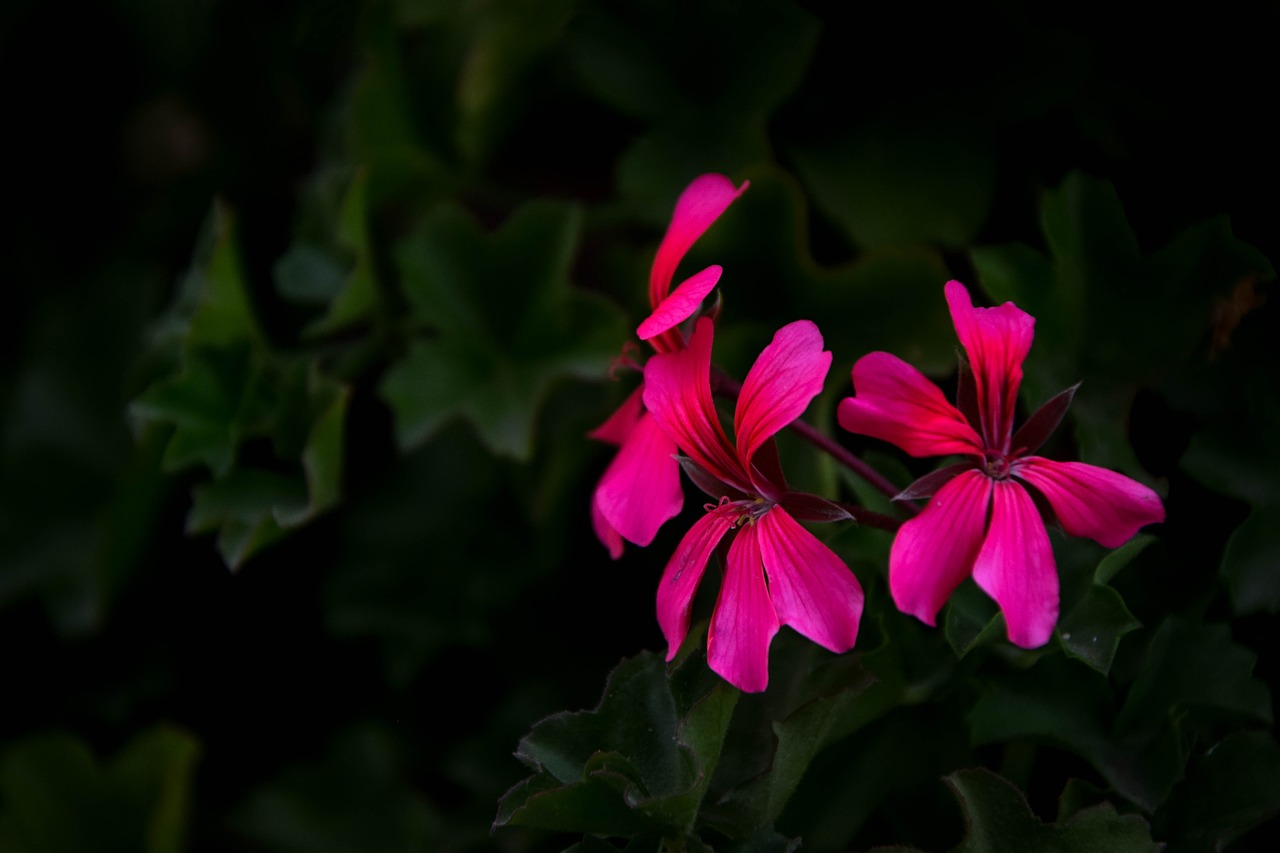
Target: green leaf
57, 797
1091, 632
357, 299
1000, 820
972, 619
1191, 666
1249, 563
357, 796
1232, 788
641, 761
505, 326
894, 184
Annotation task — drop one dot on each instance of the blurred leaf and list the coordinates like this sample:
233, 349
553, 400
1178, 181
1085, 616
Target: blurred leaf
506, 326
894, 184
1195, 666
999, 820
1249, 564
1233, 787
356, 799
56, 797
707, 98
1107, 315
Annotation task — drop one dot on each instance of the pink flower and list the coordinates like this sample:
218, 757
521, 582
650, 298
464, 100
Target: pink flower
640, 490
777, 572
983, 520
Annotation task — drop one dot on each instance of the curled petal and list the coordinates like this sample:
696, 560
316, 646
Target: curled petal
680, 305
744, 621
677, 392
608, 537
812, 589
1090, 501
934, 551
997, 341
787, 375
699, 205
896, 403
684, 571
640, 490
619, 425
1015, 566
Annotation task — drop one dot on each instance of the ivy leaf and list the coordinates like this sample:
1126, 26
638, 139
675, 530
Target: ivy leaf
972, 620
500, 324
58, 797
1091, 632
1233, 787
641, 761
999, 819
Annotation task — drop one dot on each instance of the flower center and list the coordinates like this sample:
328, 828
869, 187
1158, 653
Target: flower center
999, 466
743, 512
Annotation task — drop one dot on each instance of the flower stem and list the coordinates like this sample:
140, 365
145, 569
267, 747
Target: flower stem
728, 387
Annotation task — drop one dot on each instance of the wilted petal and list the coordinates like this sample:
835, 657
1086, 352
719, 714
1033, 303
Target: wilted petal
1015, 566
608, 537
677, 392
684, 571
812, 589
788, 374
699, 205
997, 341
896, 403
619, 425
744, 621
681, 304
1107, 507
640, 489
934, 551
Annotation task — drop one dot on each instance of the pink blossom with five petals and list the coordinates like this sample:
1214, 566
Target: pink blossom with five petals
982, 519
640, 490
777, 572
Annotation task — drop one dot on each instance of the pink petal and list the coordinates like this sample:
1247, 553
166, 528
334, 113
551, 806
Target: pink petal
934, 551
677, 392
812, 590
684, 571
788, 374
608, 537
681, 304
640, 489
896, 403
744, 621
997, 341
1015, 566
699, 205
619, 425
1107, 507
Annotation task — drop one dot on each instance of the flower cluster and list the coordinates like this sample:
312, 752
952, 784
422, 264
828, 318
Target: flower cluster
985, 519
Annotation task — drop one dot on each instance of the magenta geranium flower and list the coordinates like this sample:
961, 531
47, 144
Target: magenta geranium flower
777, 572
640, 490
982, 519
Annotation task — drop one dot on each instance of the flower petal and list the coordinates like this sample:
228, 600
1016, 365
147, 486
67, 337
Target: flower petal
608, 537
677, 392
1107, 507
619, 425
684, 571
934, 551
896, 403
997, 341
640, 490
699, 205
788, 374
1015, 566
812, 589
681, 304
744, 621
